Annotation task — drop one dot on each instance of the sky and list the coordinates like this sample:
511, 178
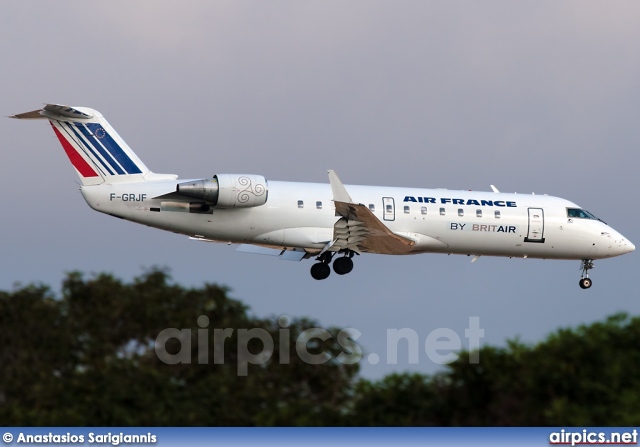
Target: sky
533, 96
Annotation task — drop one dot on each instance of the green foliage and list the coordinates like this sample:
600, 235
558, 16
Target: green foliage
397, 400
88, 358
585, 376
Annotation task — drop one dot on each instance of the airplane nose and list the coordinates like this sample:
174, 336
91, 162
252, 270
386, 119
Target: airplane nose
618, 244
625, 246
630, 246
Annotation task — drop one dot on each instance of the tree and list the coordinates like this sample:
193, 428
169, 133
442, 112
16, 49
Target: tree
151, 352
583, 376
89, 357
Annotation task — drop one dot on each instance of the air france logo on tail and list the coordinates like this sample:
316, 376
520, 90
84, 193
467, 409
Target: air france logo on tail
95, 143
96, 151
76, 159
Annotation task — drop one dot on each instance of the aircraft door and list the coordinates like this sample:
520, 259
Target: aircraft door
536, 226
388, 208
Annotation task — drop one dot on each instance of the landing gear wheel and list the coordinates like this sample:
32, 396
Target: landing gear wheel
343, 265
320, 271
585, 283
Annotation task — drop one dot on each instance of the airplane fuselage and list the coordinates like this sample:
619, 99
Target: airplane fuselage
302, 215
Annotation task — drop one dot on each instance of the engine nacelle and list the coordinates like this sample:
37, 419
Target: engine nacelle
227, 190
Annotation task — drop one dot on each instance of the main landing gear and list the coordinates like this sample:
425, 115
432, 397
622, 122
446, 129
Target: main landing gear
342, 265
585, 282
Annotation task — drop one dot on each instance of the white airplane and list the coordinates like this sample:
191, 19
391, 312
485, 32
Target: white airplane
327, 222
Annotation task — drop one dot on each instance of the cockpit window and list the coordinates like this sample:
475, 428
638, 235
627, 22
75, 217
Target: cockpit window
581, 214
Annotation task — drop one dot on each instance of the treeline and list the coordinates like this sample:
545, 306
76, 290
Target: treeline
102, 353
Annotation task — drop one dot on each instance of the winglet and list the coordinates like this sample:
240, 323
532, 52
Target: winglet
340, 194
494, 189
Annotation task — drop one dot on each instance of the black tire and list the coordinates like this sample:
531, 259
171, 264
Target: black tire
585, 283
320, 271
342, 266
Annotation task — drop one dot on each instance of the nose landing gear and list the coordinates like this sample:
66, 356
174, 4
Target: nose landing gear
342, 265
585, 282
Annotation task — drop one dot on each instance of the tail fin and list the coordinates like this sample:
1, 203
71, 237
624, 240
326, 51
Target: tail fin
96, 151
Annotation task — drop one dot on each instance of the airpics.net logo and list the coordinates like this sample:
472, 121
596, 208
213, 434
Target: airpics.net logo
593, 437
441, 345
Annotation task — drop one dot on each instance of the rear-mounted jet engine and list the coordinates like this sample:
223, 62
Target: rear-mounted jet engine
227, 190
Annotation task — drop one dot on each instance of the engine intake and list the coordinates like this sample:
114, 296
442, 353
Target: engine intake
227, 190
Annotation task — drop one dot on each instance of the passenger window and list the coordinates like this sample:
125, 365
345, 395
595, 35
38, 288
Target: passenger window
300, 203
497, 214
389, 208
406, 209
423, 210
478, 213
319, 205
442, 211
460, 212
372, 208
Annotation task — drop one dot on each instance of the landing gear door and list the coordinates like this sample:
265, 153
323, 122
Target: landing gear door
536, 226
388, 208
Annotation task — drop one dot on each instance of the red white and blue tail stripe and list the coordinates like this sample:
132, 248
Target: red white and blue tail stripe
96, 151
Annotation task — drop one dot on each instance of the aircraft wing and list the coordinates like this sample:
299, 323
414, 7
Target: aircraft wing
358, 229
294, 254
286, 254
